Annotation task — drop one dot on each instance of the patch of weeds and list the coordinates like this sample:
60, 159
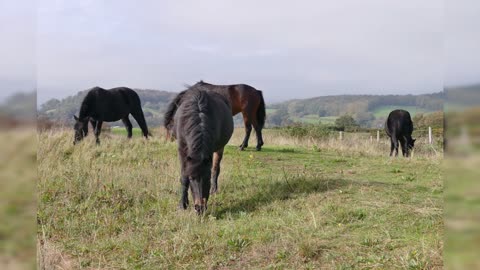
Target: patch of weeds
396, 170
309, 250
369, 242
346, 267
362, 260
339, 160
409, 178
238, 243
343, 216
67, 153
281, 255
415, 260
85, 263
48, 196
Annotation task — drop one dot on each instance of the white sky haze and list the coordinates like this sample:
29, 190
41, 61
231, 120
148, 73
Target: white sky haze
287, 49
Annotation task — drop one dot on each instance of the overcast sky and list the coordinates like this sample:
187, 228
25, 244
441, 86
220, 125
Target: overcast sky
17, 47
287, 49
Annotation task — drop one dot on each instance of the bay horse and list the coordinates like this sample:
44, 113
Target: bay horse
100, 105
203, 126
243, 98
399, 127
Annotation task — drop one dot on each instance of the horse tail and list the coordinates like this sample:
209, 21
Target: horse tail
261, 114
171, 110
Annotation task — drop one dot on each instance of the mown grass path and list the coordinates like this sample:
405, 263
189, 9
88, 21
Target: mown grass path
115, 206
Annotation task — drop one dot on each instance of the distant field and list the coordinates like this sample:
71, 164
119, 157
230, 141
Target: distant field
270, 111
154, 112
315, 119
383, 111
298, 204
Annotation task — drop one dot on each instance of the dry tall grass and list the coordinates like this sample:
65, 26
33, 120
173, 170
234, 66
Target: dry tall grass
17, 198
352, 143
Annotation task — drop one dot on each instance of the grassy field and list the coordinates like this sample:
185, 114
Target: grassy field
462, 213
298, 204
17, 201
122, 131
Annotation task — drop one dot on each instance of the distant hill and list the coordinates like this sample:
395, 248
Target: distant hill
20, 106
462, 97
368, 110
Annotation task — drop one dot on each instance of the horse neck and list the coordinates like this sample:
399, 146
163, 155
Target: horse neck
84, 110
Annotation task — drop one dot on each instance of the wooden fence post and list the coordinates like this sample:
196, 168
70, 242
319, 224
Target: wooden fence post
378, 135
341, 135
430, 135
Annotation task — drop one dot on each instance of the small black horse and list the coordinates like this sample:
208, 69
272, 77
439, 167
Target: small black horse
203, 125
399, 127
100, 105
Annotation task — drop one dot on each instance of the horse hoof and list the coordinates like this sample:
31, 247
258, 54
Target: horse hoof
182, 206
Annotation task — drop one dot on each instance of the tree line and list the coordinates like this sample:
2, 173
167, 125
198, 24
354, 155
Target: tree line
360, 108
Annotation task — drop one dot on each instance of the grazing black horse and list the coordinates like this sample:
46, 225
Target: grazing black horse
399, 127
203, 125
243, 98
100, 105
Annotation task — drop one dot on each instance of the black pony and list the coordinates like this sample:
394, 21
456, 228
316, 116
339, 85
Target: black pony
243, 98
100, 105
203, 125
399, 127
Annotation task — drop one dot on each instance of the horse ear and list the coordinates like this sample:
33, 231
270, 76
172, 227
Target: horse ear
76, 118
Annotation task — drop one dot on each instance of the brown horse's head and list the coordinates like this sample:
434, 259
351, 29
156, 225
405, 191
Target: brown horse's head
81, 129
198, 170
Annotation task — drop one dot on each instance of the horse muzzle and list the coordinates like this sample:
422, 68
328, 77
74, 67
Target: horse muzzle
200, 206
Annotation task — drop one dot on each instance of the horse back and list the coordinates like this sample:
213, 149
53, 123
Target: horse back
111, 105
399, 123
241, 96
216, 118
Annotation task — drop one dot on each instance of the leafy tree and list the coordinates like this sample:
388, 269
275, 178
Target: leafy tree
278, 117
364, 119
345, 123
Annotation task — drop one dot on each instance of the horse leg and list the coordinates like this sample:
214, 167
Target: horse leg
395, 145
98, 129
140, 118
128, 125
258, 131
94, 124
392, 147
403, 144
217, 158
248, 130
184, 196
